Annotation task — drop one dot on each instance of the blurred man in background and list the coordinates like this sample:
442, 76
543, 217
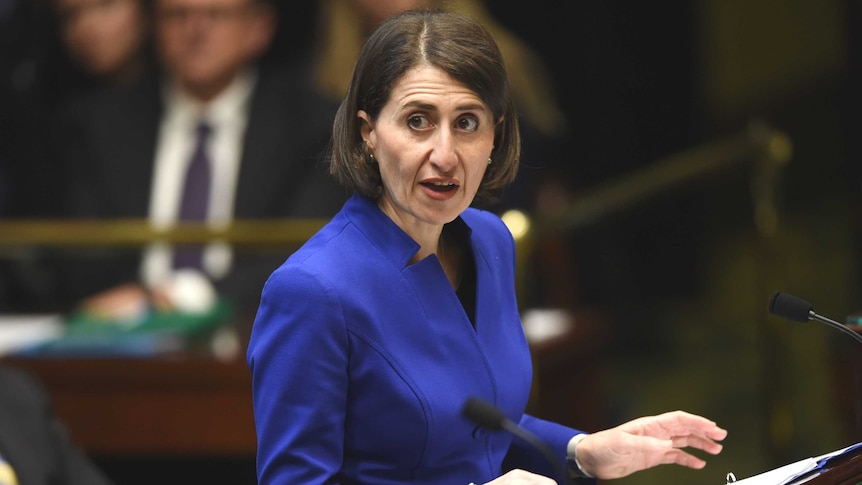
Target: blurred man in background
216, 135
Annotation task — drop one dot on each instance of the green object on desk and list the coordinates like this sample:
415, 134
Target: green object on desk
854, 319
156, 333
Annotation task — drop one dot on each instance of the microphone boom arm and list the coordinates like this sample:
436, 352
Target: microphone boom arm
834, 324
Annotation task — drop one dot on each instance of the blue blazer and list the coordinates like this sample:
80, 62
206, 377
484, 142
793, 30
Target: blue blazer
361, 363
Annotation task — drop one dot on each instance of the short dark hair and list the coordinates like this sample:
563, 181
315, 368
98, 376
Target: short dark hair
458, 45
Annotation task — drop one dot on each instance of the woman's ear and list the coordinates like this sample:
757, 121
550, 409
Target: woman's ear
365, 129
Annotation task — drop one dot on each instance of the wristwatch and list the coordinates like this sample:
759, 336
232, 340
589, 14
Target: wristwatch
574, 466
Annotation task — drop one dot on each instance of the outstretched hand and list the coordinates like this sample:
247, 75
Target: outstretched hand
649, 441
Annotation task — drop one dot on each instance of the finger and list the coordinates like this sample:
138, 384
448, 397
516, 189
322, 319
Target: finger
698, 442
665, 425
680, 423
684, 418
679, 457
717, 433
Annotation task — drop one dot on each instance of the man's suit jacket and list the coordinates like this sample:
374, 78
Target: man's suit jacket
107, 146
34, 442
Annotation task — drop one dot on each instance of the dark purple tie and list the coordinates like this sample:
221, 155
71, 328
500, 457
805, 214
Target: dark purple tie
195, 198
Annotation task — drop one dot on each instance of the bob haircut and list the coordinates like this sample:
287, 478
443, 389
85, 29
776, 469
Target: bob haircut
452, 42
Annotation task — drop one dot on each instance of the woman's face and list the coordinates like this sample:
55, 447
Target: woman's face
103, 35
432, 141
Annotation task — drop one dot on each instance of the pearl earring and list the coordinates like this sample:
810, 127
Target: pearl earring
489, 160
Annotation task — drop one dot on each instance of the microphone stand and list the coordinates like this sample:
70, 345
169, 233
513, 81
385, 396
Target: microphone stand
834, 324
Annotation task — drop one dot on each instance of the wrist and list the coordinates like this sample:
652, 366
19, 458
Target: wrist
574, 465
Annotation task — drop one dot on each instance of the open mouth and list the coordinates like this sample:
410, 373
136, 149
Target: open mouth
440, 186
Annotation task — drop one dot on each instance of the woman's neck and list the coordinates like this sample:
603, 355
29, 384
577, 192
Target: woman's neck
450, 252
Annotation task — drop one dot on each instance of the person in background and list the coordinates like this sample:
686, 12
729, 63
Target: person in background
100, 45
108, 41
370, 339
215, 136
54, 53
26, 185
35, 447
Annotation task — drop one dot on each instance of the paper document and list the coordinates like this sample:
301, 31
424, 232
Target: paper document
19, 332
787, 474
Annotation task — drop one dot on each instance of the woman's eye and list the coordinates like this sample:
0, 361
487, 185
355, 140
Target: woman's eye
417, 122
468, 124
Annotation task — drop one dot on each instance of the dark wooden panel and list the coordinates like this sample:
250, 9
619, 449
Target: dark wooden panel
192, 405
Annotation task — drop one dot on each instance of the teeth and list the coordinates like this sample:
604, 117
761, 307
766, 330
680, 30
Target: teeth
443, 184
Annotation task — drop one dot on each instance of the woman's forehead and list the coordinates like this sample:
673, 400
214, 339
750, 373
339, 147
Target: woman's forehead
431, 84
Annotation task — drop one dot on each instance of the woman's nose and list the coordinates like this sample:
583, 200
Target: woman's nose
443, 154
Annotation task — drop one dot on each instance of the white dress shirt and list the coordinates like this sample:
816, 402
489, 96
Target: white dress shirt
227, 115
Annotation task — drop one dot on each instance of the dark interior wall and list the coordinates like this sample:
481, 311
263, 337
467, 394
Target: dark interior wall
625, 74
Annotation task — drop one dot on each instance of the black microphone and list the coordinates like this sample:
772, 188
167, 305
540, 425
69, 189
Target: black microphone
491, 417
799, 310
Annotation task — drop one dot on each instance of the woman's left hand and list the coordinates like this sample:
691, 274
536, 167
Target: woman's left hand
649, 441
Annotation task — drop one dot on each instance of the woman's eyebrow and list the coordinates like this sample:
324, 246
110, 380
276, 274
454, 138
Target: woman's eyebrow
431, 107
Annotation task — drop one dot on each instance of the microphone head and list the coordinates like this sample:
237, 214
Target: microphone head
483, 413
790, 307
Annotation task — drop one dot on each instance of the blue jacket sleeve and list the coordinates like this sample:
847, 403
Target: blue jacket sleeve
298, 355
524, 455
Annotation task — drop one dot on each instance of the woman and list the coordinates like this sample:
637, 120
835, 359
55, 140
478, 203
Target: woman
371, 337
342, 26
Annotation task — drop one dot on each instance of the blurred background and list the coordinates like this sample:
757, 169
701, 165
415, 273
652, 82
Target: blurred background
673, 286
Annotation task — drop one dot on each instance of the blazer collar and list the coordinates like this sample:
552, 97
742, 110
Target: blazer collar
382, 231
